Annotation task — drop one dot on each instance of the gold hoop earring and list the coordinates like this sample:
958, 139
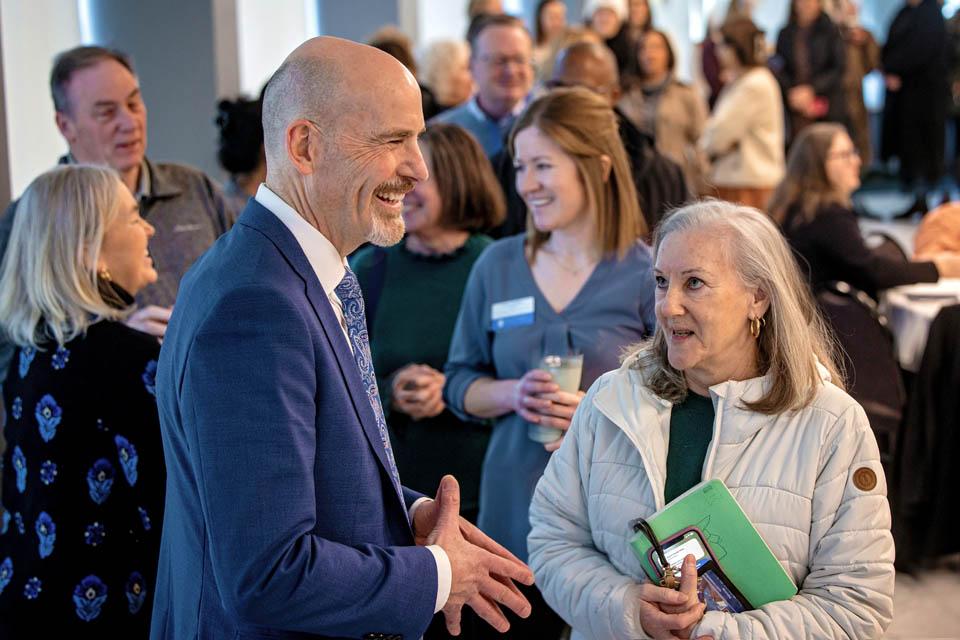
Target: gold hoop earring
104, 274
755, 325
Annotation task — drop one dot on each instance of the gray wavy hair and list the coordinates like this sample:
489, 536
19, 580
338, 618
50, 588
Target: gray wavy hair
795, 336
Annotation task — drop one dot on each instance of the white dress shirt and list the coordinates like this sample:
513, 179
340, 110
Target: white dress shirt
330, 267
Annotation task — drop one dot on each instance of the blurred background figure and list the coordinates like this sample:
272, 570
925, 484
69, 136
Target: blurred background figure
579, 281
863, 56
83, 474
240, 148
550, 23
812, 206
570, 36
939, 232
412, 294
639, 19
810, 64
743, 137
709, 62
479, 9
445, 72
673, 112
500, 61
914, 60
608, 19
392, 40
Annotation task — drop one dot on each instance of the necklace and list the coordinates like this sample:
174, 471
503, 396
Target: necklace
572, 270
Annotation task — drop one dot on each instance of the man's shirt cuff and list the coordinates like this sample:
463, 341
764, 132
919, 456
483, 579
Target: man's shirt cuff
444, 571
444, 575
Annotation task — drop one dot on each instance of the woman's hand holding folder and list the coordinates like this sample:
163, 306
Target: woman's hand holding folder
667, 613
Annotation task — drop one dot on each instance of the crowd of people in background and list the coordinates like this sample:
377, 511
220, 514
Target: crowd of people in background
575, 183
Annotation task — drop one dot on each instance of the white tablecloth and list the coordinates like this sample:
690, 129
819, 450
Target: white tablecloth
911, 309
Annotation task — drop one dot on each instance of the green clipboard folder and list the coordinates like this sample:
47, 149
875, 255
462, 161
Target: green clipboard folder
739, 550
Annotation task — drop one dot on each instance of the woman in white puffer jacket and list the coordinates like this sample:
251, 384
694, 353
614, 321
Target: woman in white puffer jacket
739, 384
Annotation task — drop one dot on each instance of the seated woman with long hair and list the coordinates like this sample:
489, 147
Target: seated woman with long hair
83, 473
739, 384
812, 206
578, 281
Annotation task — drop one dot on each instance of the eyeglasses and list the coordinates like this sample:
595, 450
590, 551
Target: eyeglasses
846, 154
501, 62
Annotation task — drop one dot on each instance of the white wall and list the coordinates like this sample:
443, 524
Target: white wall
262, 49
33, 32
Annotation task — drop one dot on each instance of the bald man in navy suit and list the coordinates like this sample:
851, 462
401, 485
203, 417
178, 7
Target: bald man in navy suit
285, 515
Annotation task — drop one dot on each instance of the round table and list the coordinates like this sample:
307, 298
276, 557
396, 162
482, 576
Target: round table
911, 309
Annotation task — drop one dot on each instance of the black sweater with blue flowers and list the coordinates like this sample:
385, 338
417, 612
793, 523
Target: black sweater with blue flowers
83, 482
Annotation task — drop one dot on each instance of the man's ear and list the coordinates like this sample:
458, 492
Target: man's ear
65, 126
303, 145
606, 164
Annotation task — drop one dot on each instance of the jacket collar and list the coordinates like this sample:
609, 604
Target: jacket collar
154, 185
258, 217
633, 407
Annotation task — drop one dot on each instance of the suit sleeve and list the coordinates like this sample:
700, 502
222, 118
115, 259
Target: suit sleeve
251, 387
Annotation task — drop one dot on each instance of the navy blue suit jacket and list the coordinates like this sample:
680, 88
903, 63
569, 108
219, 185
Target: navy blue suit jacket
280, 512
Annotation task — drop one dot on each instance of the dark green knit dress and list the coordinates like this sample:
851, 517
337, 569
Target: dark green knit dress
413, 321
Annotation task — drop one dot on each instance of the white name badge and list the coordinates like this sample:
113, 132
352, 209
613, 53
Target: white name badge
511, 313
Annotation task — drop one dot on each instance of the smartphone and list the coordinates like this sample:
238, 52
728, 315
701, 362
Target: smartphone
714, 587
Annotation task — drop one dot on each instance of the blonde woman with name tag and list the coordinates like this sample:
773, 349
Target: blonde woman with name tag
578, 281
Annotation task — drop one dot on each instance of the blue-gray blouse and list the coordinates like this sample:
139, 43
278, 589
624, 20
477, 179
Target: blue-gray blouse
613, 309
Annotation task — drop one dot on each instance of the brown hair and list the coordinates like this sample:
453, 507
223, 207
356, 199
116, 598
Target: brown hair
746, 39
538, 35
585, 127
470, 196
486, 21
806, 183
390, 39
671, 56
794, 337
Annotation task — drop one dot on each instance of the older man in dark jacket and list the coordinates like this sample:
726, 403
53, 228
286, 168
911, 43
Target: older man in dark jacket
100, 113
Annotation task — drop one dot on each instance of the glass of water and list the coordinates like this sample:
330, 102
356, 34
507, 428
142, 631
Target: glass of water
566, 371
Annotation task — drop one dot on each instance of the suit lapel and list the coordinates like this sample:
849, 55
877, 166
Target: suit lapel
256, 216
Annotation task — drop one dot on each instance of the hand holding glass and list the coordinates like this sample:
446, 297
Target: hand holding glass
566, 371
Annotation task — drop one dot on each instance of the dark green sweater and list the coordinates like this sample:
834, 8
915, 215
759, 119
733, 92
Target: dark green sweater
413, 322
691, 430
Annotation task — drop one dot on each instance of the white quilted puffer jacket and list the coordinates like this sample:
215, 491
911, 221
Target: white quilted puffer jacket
793, 474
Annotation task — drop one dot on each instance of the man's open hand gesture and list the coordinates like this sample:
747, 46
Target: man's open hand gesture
483, 572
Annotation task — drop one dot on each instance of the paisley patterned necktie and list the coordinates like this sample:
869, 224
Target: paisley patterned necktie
349, 293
